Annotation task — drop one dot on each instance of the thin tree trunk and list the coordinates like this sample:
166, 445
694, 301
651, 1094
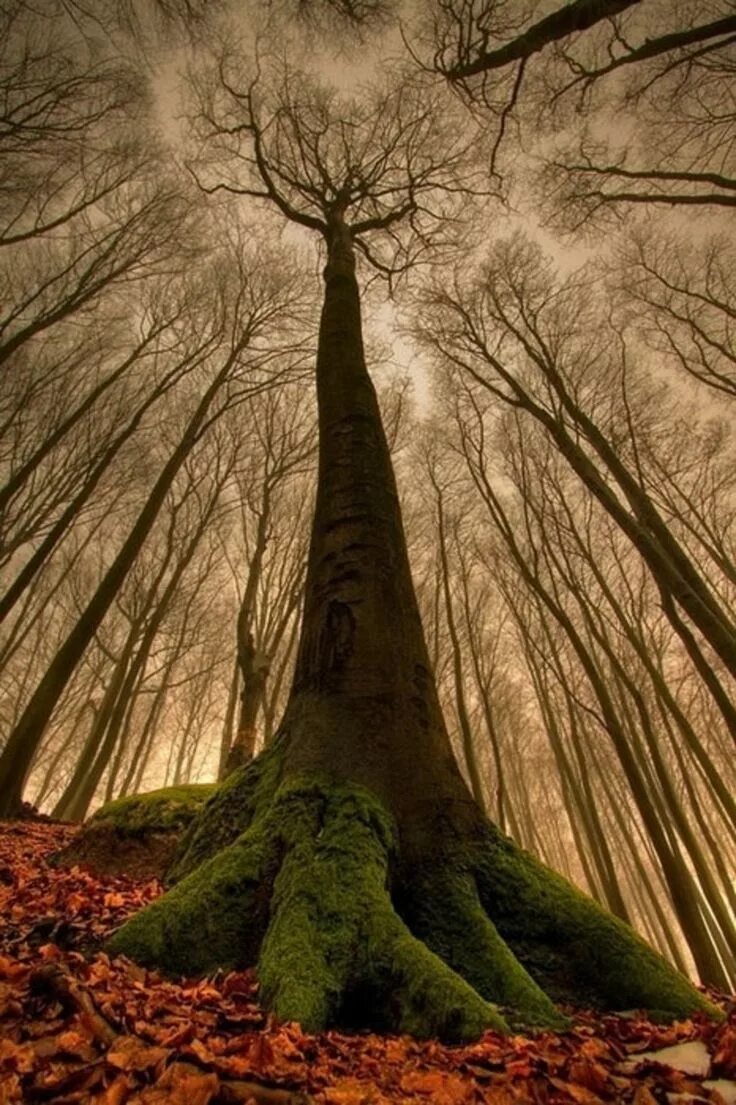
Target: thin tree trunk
457, 661
21, 746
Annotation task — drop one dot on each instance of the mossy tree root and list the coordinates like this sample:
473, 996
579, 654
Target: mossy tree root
168, 809
305, 893
231, 809
335, 939
446, 913
575, 949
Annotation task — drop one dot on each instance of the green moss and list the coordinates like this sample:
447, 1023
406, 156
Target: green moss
444, 910
170, 808
304, 891
570, 945
231, 809
334, 930
213, 919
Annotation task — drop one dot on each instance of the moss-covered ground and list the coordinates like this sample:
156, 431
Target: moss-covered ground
137, 835
170, 808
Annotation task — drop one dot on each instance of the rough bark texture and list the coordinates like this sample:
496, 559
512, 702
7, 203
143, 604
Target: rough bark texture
350, 861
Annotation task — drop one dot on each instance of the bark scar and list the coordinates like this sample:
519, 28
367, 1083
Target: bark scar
337, 635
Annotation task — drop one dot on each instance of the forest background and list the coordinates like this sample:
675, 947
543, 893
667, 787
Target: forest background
557, 377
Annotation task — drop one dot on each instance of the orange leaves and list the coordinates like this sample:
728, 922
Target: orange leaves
115, 1094
350, 1092
724, 1058
76, 1044
179, 1085
574, 1092
261, 1054
16, 1057
114, 900
443, 1088
10, 970
128, 1053
588, 1073
114, 1033
644, 1096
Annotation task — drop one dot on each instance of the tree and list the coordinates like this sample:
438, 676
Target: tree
179, 548
639, 91
521, 336
539, 542
683, 294
242, 356
283, 447
350, 859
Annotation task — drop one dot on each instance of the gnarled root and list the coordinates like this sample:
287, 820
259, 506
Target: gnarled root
305, 893
575, 949
445, 911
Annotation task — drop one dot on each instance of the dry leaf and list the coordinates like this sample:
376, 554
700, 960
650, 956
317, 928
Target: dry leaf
644, 1096
725, 1054
130, 1053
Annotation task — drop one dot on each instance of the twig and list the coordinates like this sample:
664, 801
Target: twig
55, 982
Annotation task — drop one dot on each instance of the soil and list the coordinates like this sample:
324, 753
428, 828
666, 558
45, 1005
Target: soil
104, 849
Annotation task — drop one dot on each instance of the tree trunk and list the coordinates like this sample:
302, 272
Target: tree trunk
226, 739
254, 666
349, 860
17, 755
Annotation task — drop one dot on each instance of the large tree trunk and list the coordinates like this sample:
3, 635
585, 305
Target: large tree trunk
350, 861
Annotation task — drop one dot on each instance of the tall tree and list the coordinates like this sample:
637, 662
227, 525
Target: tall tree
524, 339
350, 859
637, 93
252, 305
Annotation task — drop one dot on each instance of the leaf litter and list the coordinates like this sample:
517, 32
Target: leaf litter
80, 1028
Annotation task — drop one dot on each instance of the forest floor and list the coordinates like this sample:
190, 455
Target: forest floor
79, 1027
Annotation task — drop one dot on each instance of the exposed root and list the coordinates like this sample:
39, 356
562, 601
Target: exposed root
231, 810
334, 931
305, 892
213, 919
447, 914
574, 948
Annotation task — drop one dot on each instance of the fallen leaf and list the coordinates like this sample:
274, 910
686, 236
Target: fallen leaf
180, 1085
10, 1090
724, 1088
74, 1043
586, 1072
445, 1089
17, 1057
260, 1053
130, 1053
644, 1096
115, 1094
725, 1054
579, 1094
10, 970
349, 1093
